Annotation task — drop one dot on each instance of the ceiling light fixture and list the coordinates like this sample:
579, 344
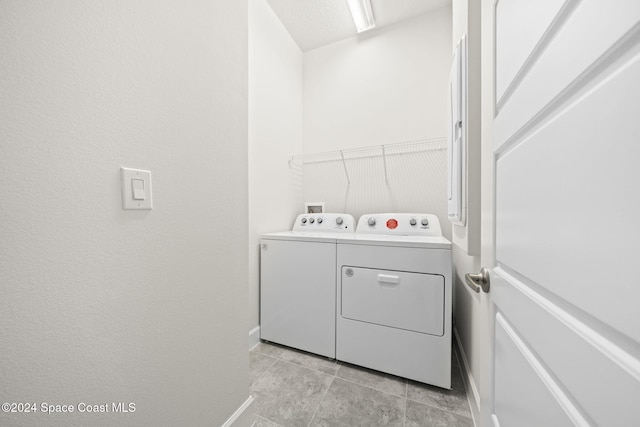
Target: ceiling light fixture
362, 14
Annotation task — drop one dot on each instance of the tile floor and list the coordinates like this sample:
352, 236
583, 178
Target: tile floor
298, 389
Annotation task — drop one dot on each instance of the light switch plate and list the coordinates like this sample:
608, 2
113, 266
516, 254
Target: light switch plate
142, 199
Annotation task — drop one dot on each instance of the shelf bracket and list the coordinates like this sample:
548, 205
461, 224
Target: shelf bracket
344, 164
384, 163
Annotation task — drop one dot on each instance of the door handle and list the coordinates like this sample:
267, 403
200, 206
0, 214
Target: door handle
387, 278
478, 281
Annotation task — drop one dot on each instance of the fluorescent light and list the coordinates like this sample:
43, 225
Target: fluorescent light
362, 14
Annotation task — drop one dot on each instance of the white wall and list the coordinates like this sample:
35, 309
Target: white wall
382, 87
388, 85
466, 21
102, 305
275, 134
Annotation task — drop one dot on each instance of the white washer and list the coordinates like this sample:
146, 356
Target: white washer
298, 283
394, 297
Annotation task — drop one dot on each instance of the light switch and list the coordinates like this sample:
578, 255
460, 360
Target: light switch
136, 188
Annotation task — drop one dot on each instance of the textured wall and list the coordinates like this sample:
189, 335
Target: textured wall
101, 305
275, 134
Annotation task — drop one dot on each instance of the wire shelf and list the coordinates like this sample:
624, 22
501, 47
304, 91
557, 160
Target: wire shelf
416, 146
400, 177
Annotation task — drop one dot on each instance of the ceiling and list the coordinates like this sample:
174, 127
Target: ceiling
315, 23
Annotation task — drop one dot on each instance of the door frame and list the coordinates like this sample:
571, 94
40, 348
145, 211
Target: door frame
488, 186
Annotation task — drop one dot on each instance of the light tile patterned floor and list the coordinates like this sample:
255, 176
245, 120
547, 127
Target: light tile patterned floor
298, 389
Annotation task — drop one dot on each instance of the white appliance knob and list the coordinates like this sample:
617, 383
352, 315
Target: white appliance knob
304, 220
320, 220
413, 221
339, 220
424, 221
311, 220
371, 221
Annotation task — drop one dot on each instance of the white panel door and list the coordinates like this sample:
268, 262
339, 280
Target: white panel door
564, 284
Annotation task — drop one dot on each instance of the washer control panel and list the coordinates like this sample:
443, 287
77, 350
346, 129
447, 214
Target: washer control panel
328, 222
400, 224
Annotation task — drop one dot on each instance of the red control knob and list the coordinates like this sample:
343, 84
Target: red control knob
392, 223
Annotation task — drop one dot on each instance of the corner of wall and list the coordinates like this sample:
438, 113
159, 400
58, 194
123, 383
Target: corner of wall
275, 134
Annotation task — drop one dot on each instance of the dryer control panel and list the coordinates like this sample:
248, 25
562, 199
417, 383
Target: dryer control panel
325, 222
400, 224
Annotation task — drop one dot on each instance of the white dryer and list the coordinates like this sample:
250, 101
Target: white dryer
394, 297
298, 283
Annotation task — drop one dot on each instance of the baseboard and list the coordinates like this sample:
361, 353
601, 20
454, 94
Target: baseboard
473, 396
243, 417
254, 337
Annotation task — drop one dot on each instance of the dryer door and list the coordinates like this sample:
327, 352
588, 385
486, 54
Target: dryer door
396, 299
